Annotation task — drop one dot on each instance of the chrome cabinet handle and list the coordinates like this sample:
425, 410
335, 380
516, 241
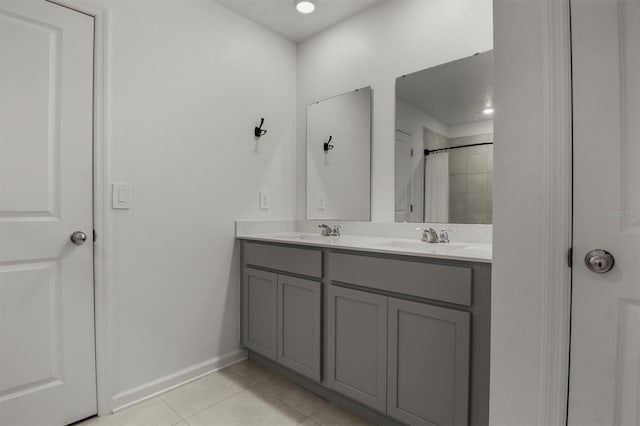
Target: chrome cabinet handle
599, 261
78, 238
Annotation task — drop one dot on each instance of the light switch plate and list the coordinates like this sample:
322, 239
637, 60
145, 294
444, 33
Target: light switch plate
121, 196
264, 200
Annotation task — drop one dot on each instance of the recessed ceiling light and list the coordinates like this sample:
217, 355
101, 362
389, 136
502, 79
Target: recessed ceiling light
305, 6
487, 111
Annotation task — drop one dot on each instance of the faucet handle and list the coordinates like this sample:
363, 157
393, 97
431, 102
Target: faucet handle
325, 230
420, 228
444, 236
336, 230
429, 235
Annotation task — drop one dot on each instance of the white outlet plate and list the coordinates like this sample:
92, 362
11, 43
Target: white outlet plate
321, 201
264, 200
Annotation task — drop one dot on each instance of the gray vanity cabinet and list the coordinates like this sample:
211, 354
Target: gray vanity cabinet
281, 313
399, 339
259, 311
299, 329
357, 345
281, 319
428, 369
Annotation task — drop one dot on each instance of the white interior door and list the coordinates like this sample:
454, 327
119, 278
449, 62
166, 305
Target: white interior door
605, 327
47, 361
403, 176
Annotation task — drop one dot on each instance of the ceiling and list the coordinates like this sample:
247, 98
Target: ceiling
453, 93
281, 16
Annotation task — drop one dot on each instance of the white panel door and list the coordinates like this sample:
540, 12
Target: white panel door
47, 361
404, 175
605, 323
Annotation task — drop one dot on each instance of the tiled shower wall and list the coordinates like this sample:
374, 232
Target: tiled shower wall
470, 175
471, 180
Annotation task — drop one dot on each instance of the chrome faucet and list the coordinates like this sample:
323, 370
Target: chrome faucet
429, 235
325, 230
444, 236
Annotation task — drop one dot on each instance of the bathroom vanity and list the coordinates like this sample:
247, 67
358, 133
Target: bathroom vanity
396, 330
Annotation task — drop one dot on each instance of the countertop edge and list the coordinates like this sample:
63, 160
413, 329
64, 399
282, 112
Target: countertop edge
365, 248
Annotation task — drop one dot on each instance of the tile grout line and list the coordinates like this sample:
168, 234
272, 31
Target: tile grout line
289, 405
208, 406
171, 408
259, 385
186, 419
252, 384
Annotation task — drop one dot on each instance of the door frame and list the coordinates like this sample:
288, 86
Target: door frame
101, 197
533, 273
558, 236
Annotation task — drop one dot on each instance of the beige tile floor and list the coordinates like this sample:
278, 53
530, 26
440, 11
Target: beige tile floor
243, 394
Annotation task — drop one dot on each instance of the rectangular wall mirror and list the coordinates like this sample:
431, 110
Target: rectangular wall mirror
444, 143
339, 157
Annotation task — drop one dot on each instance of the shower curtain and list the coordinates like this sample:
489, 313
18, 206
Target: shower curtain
436, 187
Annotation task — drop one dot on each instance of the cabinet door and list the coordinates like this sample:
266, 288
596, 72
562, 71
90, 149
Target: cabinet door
299, 325
357, 345
428, 364
259, 311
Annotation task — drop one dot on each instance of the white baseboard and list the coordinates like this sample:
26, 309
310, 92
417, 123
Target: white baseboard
148, 390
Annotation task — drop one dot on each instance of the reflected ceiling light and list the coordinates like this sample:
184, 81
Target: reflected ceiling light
487, 111
305, 6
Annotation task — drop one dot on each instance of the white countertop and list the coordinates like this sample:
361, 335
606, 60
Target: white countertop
471, 252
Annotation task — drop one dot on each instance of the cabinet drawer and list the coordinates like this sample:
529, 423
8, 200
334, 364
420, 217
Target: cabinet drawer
289, 259
426, 280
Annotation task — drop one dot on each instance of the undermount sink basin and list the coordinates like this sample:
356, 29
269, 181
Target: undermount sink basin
421, 246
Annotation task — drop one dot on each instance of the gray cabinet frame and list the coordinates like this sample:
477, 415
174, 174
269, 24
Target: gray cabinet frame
435, 370
259, 312
299, 325
348, 359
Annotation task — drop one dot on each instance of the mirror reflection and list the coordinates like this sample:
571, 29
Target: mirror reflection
444, 143
339, 157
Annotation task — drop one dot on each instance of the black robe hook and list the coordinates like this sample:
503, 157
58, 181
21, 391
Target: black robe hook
258, 130
327, 144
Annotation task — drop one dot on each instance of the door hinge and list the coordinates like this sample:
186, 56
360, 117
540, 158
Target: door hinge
95, 236
570, 257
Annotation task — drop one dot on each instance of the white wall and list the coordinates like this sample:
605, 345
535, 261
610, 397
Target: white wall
412, 120
470, 129
372, 49
188, 82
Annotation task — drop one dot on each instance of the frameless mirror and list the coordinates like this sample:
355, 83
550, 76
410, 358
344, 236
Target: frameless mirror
339, 157
444, 143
